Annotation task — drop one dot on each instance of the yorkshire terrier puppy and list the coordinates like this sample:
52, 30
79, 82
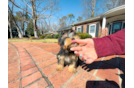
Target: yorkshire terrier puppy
65, 56
67, 59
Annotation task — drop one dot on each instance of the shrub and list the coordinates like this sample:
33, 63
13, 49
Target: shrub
32, 37
58, 35
49, 36
54, 36
16, 38
42, 36
84, 35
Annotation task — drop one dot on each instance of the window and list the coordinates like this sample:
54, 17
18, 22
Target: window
123, 25
116, 27
92, 29
109, 28
79, 29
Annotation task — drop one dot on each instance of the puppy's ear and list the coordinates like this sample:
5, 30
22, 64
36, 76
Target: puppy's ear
62, 33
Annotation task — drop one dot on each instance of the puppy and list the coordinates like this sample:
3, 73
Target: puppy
65, 56
71, 60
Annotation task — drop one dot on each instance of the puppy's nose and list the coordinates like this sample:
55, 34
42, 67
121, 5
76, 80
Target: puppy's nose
73, 38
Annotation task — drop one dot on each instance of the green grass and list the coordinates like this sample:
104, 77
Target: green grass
34, 40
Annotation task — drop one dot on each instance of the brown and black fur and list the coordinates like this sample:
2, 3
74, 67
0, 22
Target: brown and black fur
65, 56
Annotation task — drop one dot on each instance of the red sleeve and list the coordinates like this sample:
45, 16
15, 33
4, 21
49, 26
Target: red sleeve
113, 44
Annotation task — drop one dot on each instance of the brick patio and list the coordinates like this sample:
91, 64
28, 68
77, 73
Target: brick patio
33, 65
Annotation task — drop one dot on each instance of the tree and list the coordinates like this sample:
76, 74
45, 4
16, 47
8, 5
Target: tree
109, 4
39, 7
10, 25
22, 18
71, 17
10, 21
63, 22
79, 19
17, 27
15, 32
89, 8
30, 28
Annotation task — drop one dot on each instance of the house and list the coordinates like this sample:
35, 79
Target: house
64, 29
51, 33
107, 23
110, 22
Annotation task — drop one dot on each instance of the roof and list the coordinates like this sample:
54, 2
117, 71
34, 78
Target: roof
48, 33
88, 20
115, 11
66, 28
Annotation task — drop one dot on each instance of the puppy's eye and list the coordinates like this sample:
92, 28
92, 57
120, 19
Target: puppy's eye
73, 38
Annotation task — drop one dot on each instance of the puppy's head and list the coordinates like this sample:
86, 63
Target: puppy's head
71, 33
68, 44
64, 35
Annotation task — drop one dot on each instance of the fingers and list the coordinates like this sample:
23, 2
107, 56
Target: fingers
76, 49
85, 58
78, 53
80, 41
89, 61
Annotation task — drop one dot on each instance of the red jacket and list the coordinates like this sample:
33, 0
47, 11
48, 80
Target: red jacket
113, 44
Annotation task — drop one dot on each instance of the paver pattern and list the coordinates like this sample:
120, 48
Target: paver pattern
33, 65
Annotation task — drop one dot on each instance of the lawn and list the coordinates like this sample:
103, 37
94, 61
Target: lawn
34, 40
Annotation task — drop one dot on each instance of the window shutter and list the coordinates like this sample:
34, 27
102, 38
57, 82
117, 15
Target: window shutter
88, 29
75, 28
97, 29
81, 29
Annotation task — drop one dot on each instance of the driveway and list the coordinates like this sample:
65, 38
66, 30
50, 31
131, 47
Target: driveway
33, 65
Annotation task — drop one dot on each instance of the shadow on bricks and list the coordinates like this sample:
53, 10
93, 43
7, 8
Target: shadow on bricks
113, 63
101, 84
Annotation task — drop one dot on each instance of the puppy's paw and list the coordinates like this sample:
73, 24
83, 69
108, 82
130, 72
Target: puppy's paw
72, 69
59, 68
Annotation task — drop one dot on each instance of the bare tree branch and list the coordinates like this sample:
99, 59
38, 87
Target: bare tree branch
19, 7
26, 4
51, 6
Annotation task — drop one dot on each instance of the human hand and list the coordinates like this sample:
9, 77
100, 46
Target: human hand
86, 52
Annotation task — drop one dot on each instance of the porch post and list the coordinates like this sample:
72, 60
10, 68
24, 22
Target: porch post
103, 22
103, 32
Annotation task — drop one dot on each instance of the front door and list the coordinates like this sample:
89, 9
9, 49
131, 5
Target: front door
92, 30
116, 27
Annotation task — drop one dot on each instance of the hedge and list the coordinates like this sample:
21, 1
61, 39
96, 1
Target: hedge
82, 36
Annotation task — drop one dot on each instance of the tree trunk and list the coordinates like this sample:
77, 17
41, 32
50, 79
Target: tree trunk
19, 33
10, 29
18, 29
35, 28
22, 27
92, 14
34, 18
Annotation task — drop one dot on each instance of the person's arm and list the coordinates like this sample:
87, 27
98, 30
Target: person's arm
113, 44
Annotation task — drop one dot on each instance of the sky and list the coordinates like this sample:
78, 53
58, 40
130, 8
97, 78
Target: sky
66, 7
72, 7
69, 7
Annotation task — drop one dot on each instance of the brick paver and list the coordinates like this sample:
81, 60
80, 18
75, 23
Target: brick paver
33, 65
